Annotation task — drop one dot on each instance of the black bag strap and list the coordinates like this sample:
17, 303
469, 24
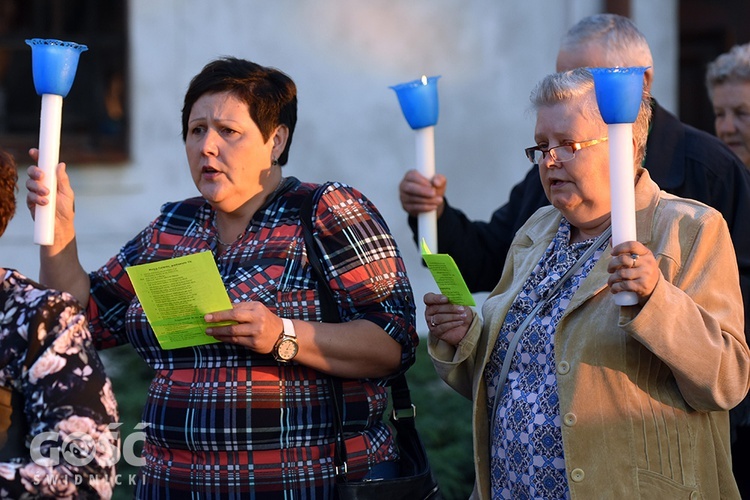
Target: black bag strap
403, 409
330, 314
328, 306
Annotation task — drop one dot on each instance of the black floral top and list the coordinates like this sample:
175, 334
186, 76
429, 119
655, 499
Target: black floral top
68, 399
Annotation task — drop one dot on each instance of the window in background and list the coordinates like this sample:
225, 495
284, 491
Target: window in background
95, 116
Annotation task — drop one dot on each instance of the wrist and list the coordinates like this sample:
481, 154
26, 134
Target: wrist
286, 347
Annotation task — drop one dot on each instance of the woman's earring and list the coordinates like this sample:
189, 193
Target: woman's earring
274, 162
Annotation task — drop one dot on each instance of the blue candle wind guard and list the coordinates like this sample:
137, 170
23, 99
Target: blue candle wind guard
54, 64
419, 101
619, 92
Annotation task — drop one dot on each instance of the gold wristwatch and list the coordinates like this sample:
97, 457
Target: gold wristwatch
286, 347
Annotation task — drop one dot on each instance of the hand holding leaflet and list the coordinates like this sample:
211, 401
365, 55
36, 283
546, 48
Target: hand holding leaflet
447, 276
176, 294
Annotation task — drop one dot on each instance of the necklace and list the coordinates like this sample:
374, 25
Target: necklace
281, 181
224, 243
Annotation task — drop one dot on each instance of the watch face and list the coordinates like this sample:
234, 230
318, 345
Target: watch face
287, 349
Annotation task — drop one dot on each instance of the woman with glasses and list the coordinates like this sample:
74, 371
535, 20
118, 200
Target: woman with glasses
575, 396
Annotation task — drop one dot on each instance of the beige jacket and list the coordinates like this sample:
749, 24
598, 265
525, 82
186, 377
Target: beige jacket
643, 391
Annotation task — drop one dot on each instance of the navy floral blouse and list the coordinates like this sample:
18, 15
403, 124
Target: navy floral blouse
68, 400
527, 450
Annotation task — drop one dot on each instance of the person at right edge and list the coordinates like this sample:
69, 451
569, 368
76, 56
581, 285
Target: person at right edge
681, 160
728, 84
573, 395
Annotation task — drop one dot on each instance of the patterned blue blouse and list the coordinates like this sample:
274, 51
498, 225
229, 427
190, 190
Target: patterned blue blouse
227, 422
68, 400
527, 453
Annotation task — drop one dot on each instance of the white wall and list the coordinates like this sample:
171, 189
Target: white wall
343, 55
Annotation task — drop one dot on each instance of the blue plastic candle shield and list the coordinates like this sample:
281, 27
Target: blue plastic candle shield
419, 103
54, 64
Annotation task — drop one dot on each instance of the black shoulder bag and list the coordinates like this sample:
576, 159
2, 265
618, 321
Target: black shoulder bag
415, 480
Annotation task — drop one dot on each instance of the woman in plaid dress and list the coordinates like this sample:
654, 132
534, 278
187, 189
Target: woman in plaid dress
251, 416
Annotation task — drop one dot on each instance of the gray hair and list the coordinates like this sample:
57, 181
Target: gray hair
732, 66
624, 44
577, 86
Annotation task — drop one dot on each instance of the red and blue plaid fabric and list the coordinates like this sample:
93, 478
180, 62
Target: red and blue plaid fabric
226, 422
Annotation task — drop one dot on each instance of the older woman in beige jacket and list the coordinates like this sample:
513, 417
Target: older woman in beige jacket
600, 401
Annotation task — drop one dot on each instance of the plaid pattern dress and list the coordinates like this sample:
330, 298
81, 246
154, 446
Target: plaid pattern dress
224, 421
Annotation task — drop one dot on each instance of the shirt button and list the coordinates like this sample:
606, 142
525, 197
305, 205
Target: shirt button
570, 419
577, 475
563, 367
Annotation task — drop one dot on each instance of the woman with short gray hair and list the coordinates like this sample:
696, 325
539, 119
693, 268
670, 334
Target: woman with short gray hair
728, 82
574, 396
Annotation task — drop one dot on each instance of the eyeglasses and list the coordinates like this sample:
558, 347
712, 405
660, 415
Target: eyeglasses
561, 153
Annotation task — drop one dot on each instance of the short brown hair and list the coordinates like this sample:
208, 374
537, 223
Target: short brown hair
270, 94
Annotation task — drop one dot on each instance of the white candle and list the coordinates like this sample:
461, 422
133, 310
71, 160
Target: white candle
49, 154
427, 221
622, 192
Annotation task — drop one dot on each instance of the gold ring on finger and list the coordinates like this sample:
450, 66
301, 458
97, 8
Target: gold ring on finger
633, 256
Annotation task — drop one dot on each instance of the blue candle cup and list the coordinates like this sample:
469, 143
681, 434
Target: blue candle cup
54, 64
619, 92
419, 101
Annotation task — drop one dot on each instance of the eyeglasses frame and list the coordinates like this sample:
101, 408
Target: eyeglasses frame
576, 146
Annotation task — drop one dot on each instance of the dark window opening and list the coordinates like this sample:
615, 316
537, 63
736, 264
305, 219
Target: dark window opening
95, 112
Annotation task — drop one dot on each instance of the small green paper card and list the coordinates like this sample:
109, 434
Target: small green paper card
176, 294
447, 276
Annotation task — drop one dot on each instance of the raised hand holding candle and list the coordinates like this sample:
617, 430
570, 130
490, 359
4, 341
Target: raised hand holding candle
619, 92
419, 103
54, 65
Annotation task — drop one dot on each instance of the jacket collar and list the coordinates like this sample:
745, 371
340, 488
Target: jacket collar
647, 194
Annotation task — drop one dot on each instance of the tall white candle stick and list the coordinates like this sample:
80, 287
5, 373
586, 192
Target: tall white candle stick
54, 65
427, 221
619, 92
622, 193
49, 155
419, 103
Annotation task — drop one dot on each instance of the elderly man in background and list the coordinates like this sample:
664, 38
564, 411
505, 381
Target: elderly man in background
681, 159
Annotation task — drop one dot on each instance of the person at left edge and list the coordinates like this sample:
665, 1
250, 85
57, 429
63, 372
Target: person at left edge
251, 415
63, 397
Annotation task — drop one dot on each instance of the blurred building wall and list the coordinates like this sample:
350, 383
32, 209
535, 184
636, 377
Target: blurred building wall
343, 55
